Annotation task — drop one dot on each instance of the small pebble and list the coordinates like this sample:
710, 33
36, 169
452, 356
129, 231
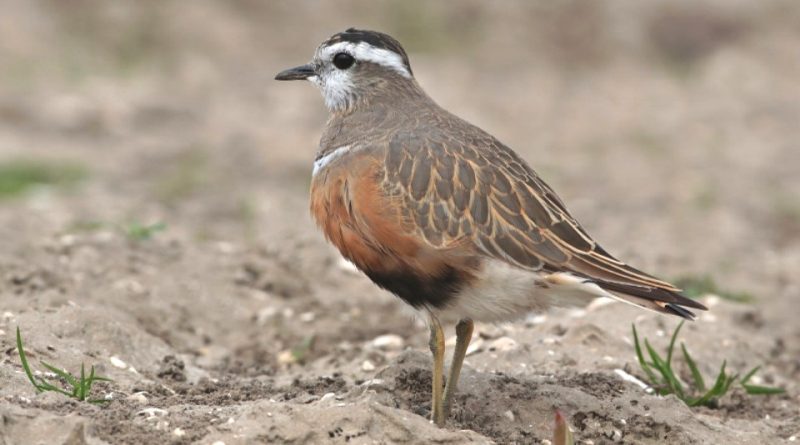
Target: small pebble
116, 361
509, 415
152, 412
178, 432
307, 317
328, 396
367, 366
372, 382
218, 442
138, 397
286, 357
266, 314
475, 346
67, 240
225, 247
503, 344
709, 318
533, 320
388, 342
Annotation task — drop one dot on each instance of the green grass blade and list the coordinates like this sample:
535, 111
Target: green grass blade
719, 384
699, 382
665, 370
750, 375
90, 380
655, 360
716, 390
61, 373
81, 389
729, 382
47, 386
24, 360
672, 343
758, 389
639, 356
763, 390
44, 384
660, 384
97, 378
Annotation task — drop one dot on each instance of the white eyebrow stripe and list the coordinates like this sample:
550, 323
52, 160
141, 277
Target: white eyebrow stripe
327, 158
366, 52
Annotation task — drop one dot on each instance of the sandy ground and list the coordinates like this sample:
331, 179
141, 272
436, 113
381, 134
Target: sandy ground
670, 131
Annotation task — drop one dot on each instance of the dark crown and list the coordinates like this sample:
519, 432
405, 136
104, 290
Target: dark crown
373, 38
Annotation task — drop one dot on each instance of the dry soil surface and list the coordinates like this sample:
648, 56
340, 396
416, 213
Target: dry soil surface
238, 324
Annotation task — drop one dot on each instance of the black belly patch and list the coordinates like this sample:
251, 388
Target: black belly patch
422, 291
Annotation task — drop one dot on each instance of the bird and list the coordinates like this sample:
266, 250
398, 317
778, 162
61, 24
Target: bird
442, 214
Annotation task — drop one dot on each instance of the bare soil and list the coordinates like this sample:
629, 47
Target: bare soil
670, 130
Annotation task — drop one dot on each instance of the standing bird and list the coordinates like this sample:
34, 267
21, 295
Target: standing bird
442, 214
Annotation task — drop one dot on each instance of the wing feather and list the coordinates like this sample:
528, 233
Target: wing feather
481, 192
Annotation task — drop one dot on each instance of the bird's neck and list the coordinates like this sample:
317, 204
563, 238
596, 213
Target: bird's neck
374, 115
399, 94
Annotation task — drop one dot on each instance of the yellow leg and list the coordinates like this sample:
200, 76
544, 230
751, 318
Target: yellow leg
437, 349
464, 330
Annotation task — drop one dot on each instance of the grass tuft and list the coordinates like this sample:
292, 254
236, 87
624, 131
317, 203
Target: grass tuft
78, 387
20, 176
142, 232
301, 351
664, 380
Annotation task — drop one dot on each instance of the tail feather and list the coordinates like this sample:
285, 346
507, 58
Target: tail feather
657, 299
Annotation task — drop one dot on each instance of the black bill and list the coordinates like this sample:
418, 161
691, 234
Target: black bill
301, 72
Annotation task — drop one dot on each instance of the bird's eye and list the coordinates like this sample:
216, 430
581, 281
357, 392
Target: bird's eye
343, 61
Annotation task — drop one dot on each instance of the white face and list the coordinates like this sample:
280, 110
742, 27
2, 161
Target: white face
338, 84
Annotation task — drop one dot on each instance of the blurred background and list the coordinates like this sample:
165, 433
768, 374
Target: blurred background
150, 164
670, 128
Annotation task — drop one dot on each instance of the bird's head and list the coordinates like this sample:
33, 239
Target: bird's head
354, 66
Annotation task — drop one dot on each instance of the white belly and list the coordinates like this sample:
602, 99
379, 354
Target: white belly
504, 293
